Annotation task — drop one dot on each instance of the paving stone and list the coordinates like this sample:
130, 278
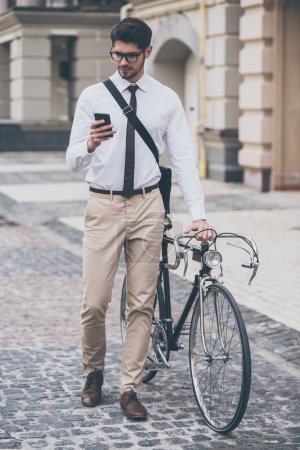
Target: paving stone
64, 448
64, 442
32, 434
148, 443
10, 444
40, 355
123, 444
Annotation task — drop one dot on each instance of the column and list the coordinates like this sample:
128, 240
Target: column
256, 93
222, 81
91, 62
30, 73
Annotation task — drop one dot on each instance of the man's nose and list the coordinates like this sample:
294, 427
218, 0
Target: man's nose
123, 61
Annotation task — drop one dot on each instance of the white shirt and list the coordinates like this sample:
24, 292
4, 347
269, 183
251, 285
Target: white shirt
160, 110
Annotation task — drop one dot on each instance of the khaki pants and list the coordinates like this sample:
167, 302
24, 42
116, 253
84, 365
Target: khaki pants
110, 223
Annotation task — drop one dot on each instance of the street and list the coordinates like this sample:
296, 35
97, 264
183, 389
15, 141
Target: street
41, 209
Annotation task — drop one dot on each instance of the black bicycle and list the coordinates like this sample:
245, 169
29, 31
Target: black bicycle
219, 353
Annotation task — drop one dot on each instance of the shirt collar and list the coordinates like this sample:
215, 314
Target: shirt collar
123, 84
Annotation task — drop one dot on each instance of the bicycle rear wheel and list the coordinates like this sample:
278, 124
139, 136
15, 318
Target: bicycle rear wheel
157, 332
221, 376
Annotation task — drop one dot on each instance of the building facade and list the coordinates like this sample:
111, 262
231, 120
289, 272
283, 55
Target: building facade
50, 50
236, 66
234, 63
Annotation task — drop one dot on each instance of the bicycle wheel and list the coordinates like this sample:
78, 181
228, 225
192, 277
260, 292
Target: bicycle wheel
221, 376
157, 332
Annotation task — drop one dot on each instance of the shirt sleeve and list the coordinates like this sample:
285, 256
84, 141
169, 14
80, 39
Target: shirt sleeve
77, 156
180, 149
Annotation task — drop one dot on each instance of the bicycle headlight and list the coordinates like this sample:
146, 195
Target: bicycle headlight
212, 258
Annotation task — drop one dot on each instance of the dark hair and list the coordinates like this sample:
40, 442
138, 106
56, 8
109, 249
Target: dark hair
132, 30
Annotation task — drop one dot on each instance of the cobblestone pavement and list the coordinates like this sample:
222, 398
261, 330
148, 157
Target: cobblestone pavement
41, 374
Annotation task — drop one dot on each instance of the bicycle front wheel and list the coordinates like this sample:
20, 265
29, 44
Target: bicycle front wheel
220, 360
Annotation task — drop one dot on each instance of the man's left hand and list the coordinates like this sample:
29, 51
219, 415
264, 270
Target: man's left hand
198, 225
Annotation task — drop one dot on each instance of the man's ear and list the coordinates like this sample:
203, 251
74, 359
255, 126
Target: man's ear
148, 51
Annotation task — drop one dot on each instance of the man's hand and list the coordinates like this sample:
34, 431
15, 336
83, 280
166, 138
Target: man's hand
98, 134
198, 225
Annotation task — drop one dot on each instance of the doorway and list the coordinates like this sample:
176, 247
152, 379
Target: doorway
62, 50
176, 66
4, 81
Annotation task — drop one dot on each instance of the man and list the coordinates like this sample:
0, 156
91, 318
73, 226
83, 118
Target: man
117, 214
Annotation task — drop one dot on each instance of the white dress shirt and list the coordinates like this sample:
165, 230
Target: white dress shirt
160, 110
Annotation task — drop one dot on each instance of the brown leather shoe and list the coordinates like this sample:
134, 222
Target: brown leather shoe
132, 407
91, 394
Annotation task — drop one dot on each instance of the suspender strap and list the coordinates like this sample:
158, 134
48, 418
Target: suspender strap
132, 117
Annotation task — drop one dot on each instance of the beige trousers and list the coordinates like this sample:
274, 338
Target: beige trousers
110, 223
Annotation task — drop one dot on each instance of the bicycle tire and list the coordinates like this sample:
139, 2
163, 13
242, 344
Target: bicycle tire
158, 313
222, 378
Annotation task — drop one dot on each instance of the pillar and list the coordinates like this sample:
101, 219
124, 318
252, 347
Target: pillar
256, 93
222, 81
91, 61
30, 79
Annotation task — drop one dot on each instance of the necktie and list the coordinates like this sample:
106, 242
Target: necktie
130, 148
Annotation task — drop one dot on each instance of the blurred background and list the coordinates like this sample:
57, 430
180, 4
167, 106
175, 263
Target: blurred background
235, 65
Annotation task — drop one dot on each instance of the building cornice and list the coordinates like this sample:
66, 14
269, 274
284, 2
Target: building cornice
158, 8
16, 18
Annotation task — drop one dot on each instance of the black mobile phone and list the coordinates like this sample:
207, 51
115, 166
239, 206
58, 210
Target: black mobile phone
106, 118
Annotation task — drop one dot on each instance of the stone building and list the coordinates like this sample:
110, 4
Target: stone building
240, 61
49, 51
234, 63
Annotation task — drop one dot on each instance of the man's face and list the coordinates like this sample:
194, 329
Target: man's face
131, 71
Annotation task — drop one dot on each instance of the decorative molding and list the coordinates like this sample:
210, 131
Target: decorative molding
169, 30
57, 18
160, 8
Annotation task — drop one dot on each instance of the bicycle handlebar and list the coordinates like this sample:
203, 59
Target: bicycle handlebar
182, 254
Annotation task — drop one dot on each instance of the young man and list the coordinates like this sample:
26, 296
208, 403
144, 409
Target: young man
125, 204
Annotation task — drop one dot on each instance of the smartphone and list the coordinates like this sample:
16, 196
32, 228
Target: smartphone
106, 118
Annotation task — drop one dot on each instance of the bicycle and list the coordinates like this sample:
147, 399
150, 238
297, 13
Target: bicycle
219, 352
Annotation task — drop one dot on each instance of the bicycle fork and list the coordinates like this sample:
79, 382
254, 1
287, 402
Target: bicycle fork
202, 292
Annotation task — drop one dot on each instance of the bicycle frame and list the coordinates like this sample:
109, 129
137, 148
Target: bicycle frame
174, 333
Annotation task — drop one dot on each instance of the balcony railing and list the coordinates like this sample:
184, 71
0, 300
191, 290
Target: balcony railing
105, 5
42, 3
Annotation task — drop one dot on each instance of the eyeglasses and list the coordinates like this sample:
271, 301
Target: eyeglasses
130, 57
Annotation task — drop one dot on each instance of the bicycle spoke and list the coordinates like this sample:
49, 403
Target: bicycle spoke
218, 376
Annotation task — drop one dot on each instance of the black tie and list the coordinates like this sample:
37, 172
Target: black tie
130, 148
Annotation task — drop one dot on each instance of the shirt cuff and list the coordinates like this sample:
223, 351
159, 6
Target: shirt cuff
197, 213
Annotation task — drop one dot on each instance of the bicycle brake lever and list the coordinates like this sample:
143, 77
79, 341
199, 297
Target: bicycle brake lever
253, 273
186, 261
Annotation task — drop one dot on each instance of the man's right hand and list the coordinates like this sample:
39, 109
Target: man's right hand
98, 134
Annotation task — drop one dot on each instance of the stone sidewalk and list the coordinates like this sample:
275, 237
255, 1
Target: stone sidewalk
41, 375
